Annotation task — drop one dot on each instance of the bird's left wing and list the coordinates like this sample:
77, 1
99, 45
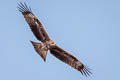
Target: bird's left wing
34, 23
69, 59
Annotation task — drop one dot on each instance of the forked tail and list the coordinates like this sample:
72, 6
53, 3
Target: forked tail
41, 49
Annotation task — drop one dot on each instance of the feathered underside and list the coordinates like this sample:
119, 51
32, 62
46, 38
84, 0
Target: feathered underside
40, 33
70, 60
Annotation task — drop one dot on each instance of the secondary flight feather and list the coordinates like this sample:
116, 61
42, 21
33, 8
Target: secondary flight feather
48, 44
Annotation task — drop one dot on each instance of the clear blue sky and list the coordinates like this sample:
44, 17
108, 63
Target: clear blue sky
88, 29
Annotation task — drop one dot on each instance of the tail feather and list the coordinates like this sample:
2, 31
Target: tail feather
41, 49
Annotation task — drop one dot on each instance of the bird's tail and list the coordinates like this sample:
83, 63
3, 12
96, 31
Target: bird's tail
41, 49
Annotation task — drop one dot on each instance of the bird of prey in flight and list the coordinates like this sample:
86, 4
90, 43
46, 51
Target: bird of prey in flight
47, 44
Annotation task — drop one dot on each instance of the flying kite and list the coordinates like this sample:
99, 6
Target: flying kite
47, 44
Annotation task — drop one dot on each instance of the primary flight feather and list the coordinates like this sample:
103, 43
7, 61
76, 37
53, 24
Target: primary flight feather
48, 44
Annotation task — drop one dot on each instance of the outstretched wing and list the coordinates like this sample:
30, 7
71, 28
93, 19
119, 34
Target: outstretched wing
70, 60
33, 22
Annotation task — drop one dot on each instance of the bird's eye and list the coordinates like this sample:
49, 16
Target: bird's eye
52, 43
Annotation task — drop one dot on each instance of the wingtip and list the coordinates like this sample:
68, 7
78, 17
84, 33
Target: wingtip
85, 71
22, 7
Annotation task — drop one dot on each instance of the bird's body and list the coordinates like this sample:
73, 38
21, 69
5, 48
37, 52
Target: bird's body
43, 47
48, 44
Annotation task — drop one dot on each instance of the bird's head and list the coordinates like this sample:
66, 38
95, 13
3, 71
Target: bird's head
51, 43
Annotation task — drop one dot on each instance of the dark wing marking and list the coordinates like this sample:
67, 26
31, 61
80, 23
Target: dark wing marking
33, 22
70, 60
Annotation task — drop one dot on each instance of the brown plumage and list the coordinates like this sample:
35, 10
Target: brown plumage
33, 22
47, 44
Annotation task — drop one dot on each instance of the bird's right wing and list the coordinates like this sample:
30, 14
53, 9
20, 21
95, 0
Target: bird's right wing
34, 23
70, 60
